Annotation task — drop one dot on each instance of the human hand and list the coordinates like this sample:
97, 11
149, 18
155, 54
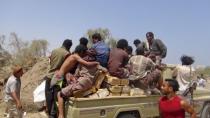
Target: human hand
103, 69
146, 53
70, 78
96, 63
19, 105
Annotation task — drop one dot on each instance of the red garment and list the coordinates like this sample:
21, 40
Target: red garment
171, 108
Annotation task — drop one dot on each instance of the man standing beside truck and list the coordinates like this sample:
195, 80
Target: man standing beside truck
184, 73
12, 90
171, 105
57, 58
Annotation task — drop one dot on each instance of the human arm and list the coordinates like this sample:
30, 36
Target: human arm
125, 59
99, 67
174, 74
151, 64
86, 63
129, 66
12, 90
70, 78
91, 52
160, 67
162, 47
143, 46
16, 99
188, 108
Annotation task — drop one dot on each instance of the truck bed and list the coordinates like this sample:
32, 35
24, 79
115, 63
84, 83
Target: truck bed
112, 106
110, 100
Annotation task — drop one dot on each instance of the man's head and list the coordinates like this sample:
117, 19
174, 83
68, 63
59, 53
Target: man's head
129, 50
122, 44
149, 36
96, 37
83, 41
170, 86
67, 44
17, 71
186, 60
136, 42
140, 51
81, 50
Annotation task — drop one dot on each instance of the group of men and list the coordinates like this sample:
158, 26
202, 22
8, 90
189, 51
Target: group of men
75, 72
72, 72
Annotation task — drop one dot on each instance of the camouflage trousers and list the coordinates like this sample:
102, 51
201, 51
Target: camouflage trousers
81, 83
121, 73
149, 81
13, 111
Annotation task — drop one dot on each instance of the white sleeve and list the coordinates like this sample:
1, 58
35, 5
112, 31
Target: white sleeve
13, 86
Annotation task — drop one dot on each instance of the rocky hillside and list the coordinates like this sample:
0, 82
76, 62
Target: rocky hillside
32, 78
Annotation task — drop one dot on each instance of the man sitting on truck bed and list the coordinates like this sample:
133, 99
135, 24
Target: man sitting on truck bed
101, 48
70, 63
143, 71
118, 58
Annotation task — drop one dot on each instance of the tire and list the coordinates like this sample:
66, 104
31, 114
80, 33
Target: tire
206, 111
126, 116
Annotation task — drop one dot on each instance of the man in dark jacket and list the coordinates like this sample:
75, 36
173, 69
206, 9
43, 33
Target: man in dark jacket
154, 48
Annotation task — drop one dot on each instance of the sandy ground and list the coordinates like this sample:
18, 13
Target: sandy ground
29, 107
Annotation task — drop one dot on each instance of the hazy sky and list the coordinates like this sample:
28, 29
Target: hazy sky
183, 25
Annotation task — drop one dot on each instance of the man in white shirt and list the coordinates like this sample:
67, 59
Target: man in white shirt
12, 93
184, 73
201, 81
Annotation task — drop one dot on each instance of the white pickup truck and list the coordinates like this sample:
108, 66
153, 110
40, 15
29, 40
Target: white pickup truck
131, 106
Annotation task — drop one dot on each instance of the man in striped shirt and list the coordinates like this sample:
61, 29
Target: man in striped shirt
143, 70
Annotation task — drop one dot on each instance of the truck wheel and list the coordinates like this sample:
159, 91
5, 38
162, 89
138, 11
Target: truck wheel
206, 111
126, 116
